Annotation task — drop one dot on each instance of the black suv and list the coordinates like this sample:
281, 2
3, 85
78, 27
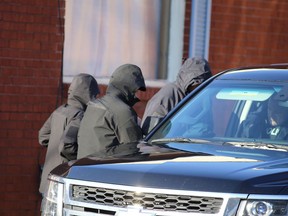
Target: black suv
222, 151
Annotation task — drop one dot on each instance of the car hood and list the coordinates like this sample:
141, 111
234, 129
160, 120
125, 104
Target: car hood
199, 168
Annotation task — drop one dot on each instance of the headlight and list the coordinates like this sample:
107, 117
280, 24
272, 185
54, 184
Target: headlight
52, 200
263, 208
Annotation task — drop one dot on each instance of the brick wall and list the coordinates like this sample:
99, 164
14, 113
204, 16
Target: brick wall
186, 38
242, 33
247, 32
30, 70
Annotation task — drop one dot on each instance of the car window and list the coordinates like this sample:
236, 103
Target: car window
222, 111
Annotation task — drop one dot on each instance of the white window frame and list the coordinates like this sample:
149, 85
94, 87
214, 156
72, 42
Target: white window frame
177, 19
199, 33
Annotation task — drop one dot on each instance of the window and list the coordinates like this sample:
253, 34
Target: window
100, 35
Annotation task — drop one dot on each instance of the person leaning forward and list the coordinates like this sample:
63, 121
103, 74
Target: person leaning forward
109, 125
192, 73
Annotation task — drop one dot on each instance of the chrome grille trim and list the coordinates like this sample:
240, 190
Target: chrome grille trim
71, 202
148, 201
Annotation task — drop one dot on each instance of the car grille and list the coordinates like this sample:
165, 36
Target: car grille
148, 201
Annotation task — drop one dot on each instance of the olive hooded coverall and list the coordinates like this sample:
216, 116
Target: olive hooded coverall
59, 132
109, 125
193, 72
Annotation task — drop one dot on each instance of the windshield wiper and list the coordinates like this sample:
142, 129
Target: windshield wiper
179, 140
250, 144
258, 145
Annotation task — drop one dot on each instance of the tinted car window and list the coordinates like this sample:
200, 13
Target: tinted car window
222, 110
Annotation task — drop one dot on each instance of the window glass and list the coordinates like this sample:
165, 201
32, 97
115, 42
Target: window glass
232, 111
101, 35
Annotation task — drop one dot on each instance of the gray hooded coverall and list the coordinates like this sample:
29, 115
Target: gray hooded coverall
193, 72
59, 132
109, 125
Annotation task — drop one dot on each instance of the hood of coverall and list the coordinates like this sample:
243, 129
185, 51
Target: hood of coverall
278, 108
193, 72
127, 79
82, 89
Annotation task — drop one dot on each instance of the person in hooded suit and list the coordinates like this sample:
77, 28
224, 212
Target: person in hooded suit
192, 73
110, 125
59, 132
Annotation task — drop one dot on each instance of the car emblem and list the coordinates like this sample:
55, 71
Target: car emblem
133, 211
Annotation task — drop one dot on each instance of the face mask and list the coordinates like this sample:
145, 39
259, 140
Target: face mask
192, 87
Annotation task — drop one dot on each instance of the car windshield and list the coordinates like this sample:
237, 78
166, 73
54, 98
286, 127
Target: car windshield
231, 112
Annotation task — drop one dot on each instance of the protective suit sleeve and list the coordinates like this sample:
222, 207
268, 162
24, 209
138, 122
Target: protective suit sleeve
129, 131
69, 141
127, 149
149, 123
45, 132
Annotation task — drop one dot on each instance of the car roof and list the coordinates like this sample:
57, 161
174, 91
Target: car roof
256, 74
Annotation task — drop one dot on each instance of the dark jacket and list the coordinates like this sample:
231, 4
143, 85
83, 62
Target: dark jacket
257, 126
110, 123
59, 132
193, 72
